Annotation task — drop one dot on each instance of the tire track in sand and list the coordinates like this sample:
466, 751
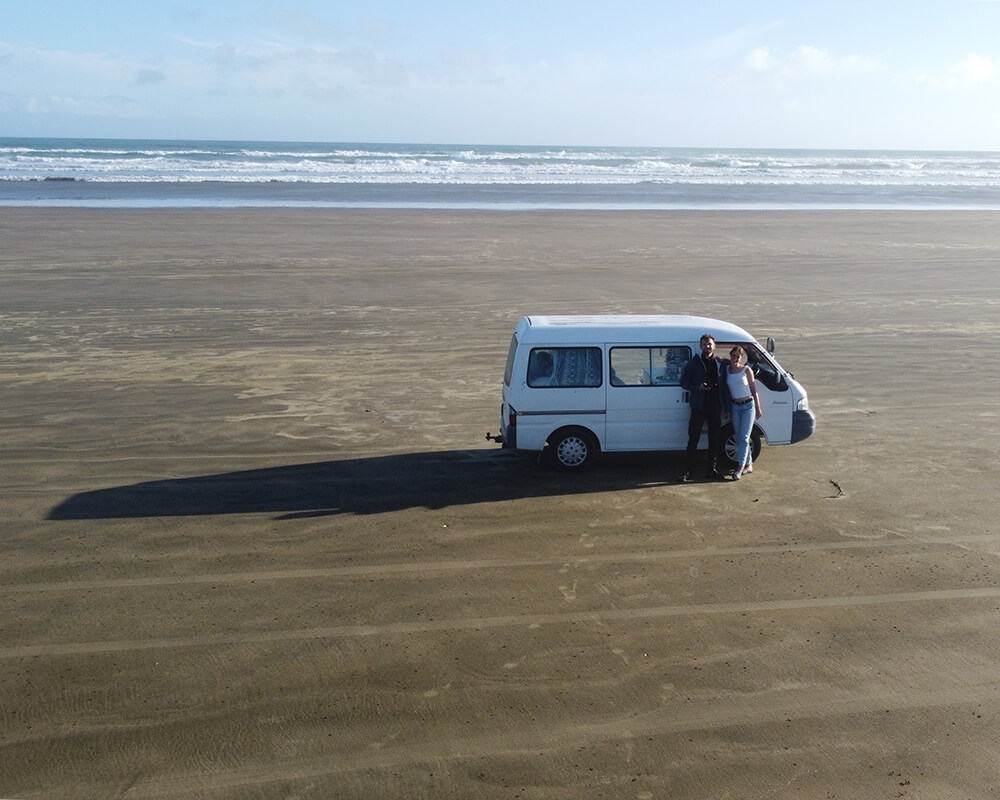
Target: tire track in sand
463, 566
768, 707
479, 623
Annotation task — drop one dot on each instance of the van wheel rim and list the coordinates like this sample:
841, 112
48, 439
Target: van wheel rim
572, 451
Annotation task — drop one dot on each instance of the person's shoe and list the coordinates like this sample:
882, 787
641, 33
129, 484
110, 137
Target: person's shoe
688, 477
736, 474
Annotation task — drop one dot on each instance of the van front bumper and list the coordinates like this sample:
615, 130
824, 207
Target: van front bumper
803, 425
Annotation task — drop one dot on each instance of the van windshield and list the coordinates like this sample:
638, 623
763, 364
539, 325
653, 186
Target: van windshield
763, 367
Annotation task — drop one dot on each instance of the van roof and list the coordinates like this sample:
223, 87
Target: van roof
627, 328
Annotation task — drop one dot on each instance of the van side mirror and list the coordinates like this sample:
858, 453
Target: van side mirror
770, 345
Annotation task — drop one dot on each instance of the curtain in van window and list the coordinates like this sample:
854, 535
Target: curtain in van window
567, 367
577, 366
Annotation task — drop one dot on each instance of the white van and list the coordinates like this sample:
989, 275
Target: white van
580, 385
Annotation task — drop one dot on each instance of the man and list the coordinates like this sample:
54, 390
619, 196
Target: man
700, 378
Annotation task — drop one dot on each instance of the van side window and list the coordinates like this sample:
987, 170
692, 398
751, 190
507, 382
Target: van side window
565, 367
648, 366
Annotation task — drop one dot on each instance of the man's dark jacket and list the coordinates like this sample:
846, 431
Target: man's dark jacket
693, 375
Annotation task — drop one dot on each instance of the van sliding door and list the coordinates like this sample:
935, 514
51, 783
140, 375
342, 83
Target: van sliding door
647, 408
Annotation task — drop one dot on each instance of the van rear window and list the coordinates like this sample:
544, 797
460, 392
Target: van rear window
565, 367
511, 352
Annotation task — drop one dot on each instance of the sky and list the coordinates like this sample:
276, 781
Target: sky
885, 74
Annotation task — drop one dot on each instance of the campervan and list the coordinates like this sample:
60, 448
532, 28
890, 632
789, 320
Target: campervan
576, 386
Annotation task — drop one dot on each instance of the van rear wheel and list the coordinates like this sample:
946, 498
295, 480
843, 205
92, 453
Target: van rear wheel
731, 448
573, 448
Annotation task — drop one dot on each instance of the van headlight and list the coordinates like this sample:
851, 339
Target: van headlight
803, 404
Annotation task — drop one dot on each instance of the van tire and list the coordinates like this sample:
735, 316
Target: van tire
729, 449
573, 448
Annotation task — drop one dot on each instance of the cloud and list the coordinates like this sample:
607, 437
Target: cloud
66, 68
760, 61
805, 61
973, 70
149, 76
815, 61
108, 106
291, 66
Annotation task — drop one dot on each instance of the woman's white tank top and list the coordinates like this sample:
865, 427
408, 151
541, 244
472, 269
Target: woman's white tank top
739, 386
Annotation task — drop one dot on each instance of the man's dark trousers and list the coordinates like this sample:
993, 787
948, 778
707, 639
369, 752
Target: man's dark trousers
707, 414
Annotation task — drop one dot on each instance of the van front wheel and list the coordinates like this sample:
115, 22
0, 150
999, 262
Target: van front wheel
573, 448
731, 448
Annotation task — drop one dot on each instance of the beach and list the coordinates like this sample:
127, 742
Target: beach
256, 543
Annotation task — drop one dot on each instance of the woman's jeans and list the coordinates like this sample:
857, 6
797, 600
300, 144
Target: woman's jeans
743, 416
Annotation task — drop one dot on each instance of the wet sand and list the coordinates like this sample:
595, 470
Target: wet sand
256, 545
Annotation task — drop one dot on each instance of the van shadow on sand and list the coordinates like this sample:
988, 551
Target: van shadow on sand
367, 486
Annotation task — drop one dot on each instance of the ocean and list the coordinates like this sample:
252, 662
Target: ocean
140, 174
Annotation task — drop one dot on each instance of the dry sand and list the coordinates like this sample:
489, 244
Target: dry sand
255, 544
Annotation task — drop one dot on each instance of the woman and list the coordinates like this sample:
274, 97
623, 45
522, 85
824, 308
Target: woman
745, 407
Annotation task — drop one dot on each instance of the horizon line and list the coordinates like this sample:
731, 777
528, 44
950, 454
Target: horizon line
494, 145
